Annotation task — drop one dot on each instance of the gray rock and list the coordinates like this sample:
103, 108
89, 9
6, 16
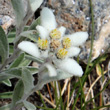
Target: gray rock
6, 14
6, 8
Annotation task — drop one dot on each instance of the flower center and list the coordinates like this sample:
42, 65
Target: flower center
62, 53
42, 43
55, 34
66, 42
55, 44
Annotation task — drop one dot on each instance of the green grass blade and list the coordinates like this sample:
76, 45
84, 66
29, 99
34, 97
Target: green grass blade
98, 108
42, 99
92, 37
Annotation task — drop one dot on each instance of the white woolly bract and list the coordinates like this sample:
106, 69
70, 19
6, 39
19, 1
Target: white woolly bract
29, 48
78, 38
35, 4
48, 19
44, 54
51, 70
42, 32
73, 51
71, 66
62, 29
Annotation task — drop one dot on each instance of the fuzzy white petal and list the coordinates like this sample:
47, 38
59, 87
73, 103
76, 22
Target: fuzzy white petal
73, 51
48, 19
35, 4
44, 54
29, 48
42, 31
71, 66
51, 70
62, 29
78, 38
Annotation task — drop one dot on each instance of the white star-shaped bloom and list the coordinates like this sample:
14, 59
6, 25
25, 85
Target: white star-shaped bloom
57, 48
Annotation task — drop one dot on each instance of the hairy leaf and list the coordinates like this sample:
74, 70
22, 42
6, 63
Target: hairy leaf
31, 34
34, 59
10, 73
25, 62
29, 105
16, 73
18, 7
35, 23
11, 49
6, 95
18, 61
11, 36
3, 45
7, 82
18, 92
33, 70
27, 79
23, 12
6, 107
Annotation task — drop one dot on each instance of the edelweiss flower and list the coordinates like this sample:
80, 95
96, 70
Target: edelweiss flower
56, 48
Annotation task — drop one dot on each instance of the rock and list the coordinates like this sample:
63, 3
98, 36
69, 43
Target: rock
103, 41
6, 14
6, 8
6, 23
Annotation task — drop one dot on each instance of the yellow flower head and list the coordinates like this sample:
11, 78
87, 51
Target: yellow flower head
55, 34
66, 42
62, 53
42, 43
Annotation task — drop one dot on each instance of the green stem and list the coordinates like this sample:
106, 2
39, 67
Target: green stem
92, 36
10, 59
